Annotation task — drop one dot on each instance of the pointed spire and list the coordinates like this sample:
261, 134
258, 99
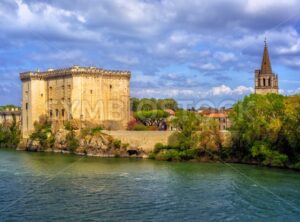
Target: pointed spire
266, 64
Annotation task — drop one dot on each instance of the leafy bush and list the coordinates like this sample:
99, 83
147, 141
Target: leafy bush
139, 127
158, 147
90, 131
68, 126
72, 142
117, 144
262, 152
43, 133
10, 135
168, 155
97, 129
267, 127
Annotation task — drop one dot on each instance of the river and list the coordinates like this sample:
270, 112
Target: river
56, 187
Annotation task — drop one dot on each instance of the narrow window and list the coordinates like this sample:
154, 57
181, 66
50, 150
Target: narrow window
51, 114
91, 91
63, 112
57, 112
264, 82
110, 86
26, 106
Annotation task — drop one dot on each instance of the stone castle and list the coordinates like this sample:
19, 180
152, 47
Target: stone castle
265, 80
76, 93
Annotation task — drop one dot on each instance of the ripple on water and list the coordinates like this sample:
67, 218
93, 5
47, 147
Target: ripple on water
142, 190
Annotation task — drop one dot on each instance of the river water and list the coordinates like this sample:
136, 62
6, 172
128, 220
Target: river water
56, 187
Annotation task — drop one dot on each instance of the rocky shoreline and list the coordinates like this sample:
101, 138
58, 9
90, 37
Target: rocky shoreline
97, 145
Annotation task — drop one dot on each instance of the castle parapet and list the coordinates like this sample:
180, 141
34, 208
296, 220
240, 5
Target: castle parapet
72, 71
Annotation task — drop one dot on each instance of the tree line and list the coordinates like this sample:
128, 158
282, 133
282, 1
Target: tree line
146, 104
265, 130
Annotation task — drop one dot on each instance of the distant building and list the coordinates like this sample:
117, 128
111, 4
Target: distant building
265, 80
76, 93
9, 115
170, 112
220, 115
221, 118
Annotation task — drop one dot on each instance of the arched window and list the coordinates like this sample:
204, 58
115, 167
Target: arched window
264, 82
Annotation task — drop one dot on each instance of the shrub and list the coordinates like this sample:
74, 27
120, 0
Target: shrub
158, 147
72, 142
139, 127
9, 135
189, 154
262, 152
117, 144
97, 129
131, 124
125, 145
42, 133
276, 159
168, 155
68, 126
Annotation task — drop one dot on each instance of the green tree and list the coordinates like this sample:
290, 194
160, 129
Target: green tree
265, 126
146, 104
10, 135
151, 118
187, 123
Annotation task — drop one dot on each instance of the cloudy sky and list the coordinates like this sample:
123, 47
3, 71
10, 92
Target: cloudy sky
203, 52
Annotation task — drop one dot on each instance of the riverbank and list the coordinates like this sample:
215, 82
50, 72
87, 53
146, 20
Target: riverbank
125, 155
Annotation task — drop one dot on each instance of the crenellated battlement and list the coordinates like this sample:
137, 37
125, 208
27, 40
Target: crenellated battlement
72, 71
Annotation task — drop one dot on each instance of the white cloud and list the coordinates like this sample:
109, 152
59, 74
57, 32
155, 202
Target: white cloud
226, 90
206, 41
205, 66
225, 56
256, 6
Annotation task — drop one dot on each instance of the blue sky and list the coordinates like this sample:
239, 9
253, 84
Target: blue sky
198, 52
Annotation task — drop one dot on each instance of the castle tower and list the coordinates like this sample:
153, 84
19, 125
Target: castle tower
265, 80
87, 95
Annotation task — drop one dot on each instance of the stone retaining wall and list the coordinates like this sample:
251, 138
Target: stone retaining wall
145, 140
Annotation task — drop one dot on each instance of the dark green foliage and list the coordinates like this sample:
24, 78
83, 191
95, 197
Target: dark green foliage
10, 106
42, 133
190, 140
97, 129
158, 147
71, 141
187, 123
68, 126
90, 131
267, 128
117, 144
10, 135
151, 118
139, 127
152, 104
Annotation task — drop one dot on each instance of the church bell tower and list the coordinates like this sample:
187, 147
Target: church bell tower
266, 81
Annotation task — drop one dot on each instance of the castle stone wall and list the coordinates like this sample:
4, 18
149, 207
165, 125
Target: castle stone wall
77, 93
